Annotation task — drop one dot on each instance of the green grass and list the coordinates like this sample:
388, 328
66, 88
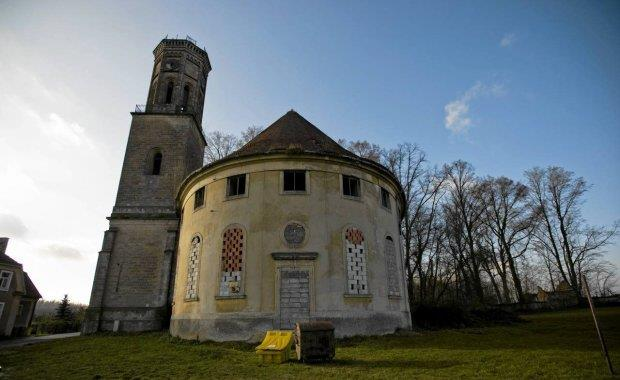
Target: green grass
561, 344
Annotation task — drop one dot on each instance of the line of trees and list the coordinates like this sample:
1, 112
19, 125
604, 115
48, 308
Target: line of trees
472, 240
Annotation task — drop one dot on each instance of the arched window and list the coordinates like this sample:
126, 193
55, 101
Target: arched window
233, 248
355, 250
193, 270
186, 90
392, 267
156, 163
169, 91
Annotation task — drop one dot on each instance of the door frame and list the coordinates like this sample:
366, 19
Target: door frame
294, 264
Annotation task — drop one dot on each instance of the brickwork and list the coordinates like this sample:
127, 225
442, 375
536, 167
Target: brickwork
392, 268
357, 279
193, 270
294, 297
232, 261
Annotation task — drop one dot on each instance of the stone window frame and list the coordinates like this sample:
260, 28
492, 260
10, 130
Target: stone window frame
294, 192
196, 235
241, 294
351, 197
396, 262
204, 198
5, 286
149, 162
347, 291
238, 196
382, 191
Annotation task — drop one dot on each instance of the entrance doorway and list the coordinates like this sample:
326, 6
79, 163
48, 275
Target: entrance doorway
294, 296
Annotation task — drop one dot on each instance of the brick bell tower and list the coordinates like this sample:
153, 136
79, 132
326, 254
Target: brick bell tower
135, 267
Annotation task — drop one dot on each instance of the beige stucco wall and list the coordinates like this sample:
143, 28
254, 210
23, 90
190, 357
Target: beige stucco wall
264, 213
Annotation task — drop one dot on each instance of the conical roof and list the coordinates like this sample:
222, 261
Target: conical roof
292, 133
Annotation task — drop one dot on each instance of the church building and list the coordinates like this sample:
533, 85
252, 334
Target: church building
291, 227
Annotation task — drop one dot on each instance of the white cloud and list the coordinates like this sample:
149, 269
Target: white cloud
12, 226
508, 40
65, 133
457, 119
60, 251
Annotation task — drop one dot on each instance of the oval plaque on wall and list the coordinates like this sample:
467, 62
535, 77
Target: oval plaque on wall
294, 234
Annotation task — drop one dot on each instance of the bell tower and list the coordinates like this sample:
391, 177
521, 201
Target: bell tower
133, 275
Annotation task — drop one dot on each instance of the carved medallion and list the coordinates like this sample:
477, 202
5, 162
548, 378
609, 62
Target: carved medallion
294, 234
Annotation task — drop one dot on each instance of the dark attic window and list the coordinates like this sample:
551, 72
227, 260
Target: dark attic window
294, 180
350, 186
235, 185
385, 199
199, 198
156, 163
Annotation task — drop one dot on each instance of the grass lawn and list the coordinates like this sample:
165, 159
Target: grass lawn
560, 344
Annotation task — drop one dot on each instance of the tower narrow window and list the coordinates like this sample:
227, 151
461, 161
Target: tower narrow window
294, 180
169, 91
156, 163
185, 97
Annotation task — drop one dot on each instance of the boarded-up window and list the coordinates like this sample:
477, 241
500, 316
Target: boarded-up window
357, 279
392, 267
193, 270
233, 248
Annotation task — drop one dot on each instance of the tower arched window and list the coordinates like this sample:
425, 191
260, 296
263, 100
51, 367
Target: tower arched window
156, 163
169, 91
186, 91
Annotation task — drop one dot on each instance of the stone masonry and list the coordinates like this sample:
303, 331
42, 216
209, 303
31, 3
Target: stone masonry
294, 297
131, 289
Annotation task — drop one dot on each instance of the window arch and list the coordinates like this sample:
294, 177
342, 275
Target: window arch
392, 267
232, 261
153, 162
186, 91
157, 157
169, 91
193, 269
355, 251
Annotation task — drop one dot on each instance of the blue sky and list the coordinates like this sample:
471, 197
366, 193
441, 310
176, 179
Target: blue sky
503, 85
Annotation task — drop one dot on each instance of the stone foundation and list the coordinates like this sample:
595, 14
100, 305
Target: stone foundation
251, 327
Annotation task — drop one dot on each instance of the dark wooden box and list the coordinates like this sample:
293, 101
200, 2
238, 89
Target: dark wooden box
315, 341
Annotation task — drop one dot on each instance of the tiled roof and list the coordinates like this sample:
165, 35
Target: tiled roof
4, 258
31, 290
292, 134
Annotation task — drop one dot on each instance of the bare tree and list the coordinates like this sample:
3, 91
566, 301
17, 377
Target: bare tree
563, 236
363, 149
248, 134
510, 225
407, 163
219, 145
464, 211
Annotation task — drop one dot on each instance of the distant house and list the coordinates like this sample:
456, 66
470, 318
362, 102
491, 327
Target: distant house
562, 297
18, 295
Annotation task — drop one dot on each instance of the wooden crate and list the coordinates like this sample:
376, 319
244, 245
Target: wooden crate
315, 341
